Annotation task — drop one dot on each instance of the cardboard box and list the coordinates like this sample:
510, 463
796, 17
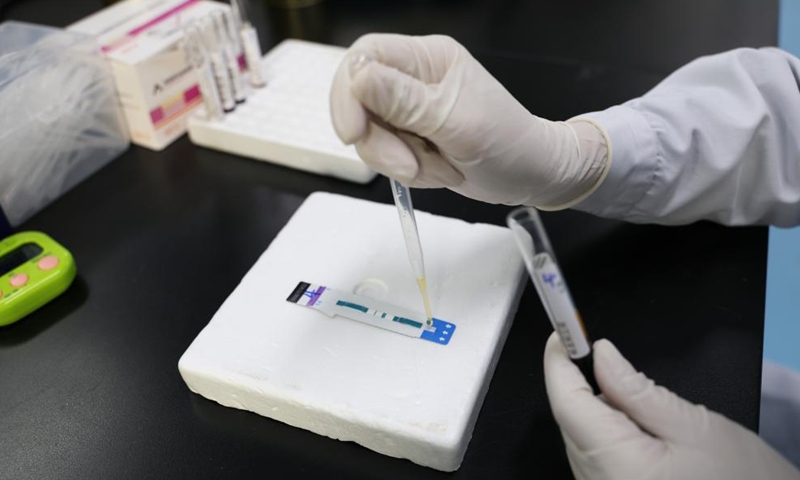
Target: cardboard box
157, 88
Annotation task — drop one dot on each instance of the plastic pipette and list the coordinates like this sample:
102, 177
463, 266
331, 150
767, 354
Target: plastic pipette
402, 198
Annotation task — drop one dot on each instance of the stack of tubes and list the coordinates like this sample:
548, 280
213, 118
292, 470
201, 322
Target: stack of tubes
213, 47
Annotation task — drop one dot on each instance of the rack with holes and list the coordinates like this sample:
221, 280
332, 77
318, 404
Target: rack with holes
288, 121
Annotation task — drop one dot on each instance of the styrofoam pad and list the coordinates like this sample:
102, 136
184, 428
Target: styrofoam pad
397, 395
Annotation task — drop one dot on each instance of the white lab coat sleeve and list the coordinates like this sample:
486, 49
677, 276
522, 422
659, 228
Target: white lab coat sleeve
719, 139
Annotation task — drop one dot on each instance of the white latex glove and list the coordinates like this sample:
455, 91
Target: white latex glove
643, 431
424, 111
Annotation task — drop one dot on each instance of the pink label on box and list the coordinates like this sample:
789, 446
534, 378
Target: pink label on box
141, 28
175, 107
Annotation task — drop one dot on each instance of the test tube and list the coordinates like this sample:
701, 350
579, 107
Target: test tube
230, 52
195, 52
213, 41
551, 286
249, 36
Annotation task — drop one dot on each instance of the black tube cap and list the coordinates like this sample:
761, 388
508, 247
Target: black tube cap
586, 366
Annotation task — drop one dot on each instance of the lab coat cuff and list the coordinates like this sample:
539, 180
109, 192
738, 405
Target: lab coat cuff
633, 163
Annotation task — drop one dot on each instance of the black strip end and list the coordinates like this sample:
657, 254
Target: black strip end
586, 366
298, 292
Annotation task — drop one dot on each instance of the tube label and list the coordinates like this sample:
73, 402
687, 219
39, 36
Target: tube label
210, 93
223, 82
252, 53
236, 77
558, 303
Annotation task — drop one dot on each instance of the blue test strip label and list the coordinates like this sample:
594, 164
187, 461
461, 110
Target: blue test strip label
442, 334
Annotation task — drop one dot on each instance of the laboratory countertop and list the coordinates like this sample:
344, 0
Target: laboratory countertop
89, 385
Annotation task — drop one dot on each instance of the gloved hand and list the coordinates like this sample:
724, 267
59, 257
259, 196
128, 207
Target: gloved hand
424, 111
643, 431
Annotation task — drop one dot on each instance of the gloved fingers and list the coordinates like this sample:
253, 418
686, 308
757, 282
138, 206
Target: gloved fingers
398, 99
347, 114
654, 408
585, 420
385, 153
434, 170
637, 459
425, 58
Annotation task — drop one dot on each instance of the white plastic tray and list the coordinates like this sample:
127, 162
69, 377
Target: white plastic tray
288, 122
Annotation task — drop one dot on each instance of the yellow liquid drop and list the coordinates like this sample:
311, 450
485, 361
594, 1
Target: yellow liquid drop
423, 287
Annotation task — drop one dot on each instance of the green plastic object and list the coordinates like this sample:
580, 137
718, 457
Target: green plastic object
34, 269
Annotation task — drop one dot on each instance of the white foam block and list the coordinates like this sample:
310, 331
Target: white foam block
397, 395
